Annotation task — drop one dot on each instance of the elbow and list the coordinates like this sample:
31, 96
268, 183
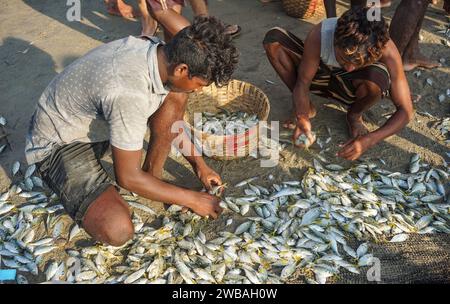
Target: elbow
123, 182
409, 115
126, 181
406, 114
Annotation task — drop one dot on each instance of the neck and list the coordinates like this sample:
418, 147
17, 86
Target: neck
162, 64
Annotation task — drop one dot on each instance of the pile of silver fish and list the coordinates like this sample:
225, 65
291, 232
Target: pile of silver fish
19, 247
226, 123
446, 35
302, 227
444, 127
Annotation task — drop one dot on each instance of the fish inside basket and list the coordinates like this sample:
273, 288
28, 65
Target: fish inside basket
237, 96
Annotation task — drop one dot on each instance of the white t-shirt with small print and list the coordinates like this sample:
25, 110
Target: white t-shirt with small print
106, 95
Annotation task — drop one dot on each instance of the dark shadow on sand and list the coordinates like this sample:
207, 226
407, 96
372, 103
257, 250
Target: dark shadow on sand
95, 20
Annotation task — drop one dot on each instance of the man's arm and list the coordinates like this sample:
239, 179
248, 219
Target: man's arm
401, 98
142, 4
305, 74
400, 95
129, 175
207, 176
188, 149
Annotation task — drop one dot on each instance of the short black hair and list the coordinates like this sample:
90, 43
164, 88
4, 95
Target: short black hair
361, 39
206, 49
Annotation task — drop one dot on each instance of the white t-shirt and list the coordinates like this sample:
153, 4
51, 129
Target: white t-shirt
106, 95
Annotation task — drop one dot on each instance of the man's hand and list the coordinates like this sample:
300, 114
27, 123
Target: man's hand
354, 148
303, 127
205, 204
208, 177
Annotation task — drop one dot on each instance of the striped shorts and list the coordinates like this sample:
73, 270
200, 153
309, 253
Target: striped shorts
329, 82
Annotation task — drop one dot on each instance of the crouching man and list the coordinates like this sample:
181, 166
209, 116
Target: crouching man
108, 98
350, 59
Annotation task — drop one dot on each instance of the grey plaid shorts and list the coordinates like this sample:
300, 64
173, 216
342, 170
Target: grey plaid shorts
75, 174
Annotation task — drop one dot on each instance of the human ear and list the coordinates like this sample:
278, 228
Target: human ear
181, 70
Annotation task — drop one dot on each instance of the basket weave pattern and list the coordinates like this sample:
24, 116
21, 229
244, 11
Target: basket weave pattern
236, 96
304, 8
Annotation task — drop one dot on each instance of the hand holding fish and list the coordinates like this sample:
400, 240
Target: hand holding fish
206, 205
355, 147
208, 177
303, 131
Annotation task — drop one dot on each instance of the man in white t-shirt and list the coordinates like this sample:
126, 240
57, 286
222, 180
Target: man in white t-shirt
109, 97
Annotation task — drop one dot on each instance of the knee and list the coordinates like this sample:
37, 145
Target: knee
368, 89
116, 229
108, 220
119, 231
271, 41
270, 48
375, 91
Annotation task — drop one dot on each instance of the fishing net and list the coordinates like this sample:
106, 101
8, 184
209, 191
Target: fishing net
420, 259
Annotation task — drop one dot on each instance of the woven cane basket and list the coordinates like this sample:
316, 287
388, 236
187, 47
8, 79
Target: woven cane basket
304, 8
236, 96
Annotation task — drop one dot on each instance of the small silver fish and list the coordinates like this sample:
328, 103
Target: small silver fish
15, 168
74, 232
244, 227
399, 238
142, 207
43, 250
135, 276
30, 170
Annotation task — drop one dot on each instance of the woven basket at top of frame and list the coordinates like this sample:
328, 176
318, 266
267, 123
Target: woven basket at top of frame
304, 8
236, 96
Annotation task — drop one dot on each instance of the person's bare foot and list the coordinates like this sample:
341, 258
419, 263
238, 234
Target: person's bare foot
419, 61
120, 8
356, 126
409, 66
290, 122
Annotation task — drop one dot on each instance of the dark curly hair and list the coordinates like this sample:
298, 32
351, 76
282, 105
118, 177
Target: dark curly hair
205, 49
361, 40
